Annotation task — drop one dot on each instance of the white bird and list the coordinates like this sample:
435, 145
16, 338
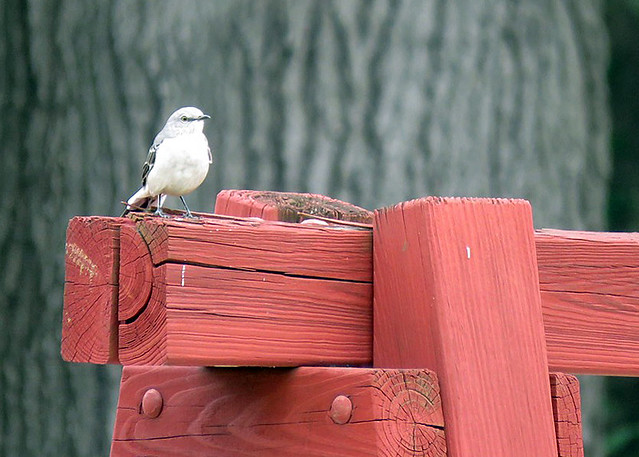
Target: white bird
177, 163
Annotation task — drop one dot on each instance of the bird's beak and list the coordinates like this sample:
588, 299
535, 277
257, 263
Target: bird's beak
203, 116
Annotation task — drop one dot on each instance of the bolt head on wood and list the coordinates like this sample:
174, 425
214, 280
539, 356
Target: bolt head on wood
341, 409
152, 403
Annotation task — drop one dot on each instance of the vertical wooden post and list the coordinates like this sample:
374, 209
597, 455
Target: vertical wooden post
566, 405
457, 291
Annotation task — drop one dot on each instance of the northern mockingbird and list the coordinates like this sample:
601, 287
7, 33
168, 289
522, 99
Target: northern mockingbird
177, 163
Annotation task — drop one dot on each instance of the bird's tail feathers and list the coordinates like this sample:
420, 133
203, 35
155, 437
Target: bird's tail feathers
140, 201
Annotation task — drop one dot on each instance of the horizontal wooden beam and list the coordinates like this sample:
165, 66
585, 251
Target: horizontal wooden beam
588, 284
310, 411
219, 291
89, 321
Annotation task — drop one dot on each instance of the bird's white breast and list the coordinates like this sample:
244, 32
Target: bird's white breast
181, 164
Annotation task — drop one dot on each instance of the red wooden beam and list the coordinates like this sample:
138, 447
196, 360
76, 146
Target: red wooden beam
566, 406
457, 291
308, 411
89, 330
223, 291
226, 292
287, 206
590, 300
589, 285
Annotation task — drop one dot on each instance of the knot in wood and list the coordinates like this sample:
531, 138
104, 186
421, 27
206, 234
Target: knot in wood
152, 403
341, 409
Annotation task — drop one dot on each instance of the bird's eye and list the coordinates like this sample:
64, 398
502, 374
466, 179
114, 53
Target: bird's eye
184, 118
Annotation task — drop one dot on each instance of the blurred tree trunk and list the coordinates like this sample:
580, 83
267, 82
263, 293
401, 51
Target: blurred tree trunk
369, 101
622, 16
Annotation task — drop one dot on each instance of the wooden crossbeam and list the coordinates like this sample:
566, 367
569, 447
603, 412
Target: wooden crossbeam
309, 411
566, 407
227, 292
589, 284
590, 301
90, 318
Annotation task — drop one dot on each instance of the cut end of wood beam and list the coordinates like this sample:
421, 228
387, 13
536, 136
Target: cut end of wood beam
90, 290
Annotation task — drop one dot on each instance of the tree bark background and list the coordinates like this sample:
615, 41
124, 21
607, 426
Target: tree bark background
372, 102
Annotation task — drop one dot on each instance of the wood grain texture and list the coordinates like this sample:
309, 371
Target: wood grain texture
287, 206
216, 316
588, 280
142, 338
90, 288
566, 406
245, 292
590, 297
456, 291
135, 274
336, 252
368, 101
280, 412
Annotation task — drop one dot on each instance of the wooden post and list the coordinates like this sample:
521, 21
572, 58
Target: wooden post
457, 291
566, 406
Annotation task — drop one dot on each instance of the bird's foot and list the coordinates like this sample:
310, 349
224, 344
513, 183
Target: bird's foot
159, 212
188, 211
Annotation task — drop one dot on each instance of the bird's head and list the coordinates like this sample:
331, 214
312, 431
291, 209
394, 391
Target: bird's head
186, 120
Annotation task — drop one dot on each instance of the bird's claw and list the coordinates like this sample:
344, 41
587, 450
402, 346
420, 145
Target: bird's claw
159, 212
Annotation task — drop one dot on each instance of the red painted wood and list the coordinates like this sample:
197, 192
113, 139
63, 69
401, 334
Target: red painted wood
287, 206
214, 316
457, 291
143, 338
587, 279
314, 281
294, 249
279, 412
590, 294
90, 287
566, 405
135, 274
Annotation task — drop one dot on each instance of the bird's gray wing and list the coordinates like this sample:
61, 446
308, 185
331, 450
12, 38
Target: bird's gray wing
150, 161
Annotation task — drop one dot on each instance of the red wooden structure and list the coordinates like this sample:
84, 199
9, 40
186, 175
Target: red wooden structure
431, 328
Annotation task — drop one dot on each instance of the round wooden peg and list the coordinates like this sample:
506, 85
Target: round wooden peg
152, 403
341, 409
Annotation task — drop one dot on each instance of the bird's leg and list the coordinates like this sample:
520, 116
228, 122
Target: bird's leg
188, 211
158, 211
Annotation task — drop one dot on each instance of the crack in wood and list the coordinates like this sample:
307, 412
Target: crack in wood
259, 270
